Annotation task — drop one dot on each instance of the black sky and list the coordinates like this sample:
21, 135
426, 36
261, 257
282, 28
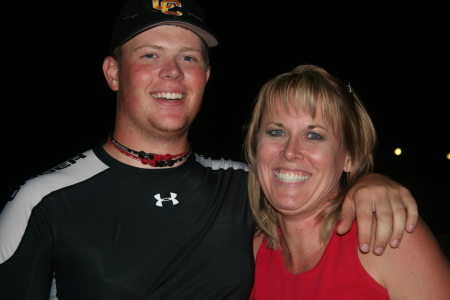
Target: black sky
395, 55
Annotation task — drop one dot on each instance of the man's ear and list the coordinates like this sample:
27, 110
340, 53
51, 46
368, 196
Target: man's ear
111, 72
348, 163
208, 72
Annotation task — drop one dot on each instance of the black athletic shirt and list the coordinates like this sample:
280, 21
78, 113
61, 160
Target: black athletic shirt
101, 229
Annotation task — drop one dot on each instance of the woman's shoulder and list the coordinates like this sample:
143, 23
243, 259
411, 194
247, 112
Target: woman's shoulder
258, 239
417, 269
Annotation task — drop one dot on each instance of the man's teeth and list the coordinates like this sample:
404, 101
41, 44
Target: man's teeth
291, 177
170, 96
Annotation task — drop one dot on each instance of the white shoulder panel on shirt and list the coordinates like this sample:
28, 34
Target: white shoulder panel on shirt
217, 164
17, 211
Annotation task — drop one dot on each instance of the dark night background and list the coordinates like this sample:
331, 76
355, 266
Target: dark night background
395, 54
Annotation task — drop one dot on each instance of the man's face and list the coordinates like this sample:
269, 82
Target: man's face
160, 81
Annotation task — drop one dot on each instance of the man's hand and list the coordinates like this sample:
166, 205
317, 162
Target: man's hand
392, 205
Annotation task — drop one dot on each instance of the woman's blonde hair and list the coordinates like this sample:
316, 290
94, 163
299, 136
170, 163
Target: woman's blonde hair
341, 110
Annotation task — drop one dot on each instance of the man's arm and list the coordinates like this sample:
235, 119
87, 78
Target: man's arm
395, 210
26, 258
27, 273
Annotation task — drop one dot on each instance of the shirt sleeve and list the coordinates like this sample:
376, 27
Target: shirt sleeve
28, 272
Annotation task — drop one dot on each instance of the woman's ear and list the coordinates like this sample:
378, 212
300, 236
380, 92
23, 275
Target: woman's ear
348, 163
111, 72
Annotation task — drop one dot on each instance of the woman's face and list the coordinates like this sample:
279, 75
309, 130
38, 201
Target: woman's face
299, 161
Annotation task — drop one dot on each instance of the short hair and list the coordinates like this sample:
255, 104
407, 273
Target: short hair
341, 110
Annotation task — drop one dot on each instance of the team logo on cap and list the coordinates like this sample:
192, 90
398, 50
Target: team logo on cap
166, 5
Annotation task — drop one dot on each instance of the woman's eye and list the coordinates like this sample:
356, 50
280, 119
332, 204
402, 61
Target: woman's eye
314, 136
275, 132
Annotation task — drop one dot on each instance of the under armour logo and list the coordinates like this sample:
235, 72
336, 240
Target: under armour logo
161, 200
166, 5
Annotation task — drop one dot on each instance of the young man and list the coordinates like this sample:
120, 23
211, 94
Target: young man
141, 216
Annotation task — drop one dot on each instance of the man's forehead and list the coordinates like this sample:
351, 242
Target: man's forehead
162, 30
166, 36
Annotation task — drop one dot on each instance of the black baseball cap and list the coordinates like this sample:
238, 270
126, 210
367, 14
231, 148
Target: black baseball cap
137, 16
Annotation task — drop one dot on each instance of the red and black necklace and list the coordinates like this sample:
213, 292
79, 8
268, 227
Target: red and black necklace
152, 159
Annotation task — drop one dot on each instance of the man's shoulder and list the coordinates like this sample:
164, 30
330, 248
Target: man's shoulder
71, 171
17, 211
218, 164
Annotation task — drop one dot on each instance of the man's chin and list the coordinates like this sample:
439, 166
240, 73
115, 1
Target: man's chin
171, 129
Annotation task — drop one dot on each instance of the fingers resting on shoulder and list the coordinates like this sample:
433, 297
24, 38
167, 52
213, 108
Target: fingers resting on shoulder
391, 205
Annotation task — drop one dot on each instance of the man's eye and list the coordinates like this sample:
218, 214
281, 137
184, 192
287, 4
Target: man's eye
275, 132
314, 136
150, 55
188, 58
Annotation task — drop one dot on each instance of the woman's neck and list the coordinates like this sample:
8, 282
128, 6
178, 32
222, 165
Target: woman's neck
301, 248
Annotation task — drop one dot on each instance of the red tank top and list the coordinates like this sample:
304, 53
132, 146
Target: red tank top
338, 274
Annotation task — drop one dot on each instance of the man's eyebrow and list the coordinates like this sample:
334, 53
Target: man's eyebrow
182, 49
148, 46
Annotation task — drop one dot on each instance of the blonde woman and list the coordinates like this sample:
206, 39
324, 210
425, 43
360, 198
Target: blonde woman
309, 141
